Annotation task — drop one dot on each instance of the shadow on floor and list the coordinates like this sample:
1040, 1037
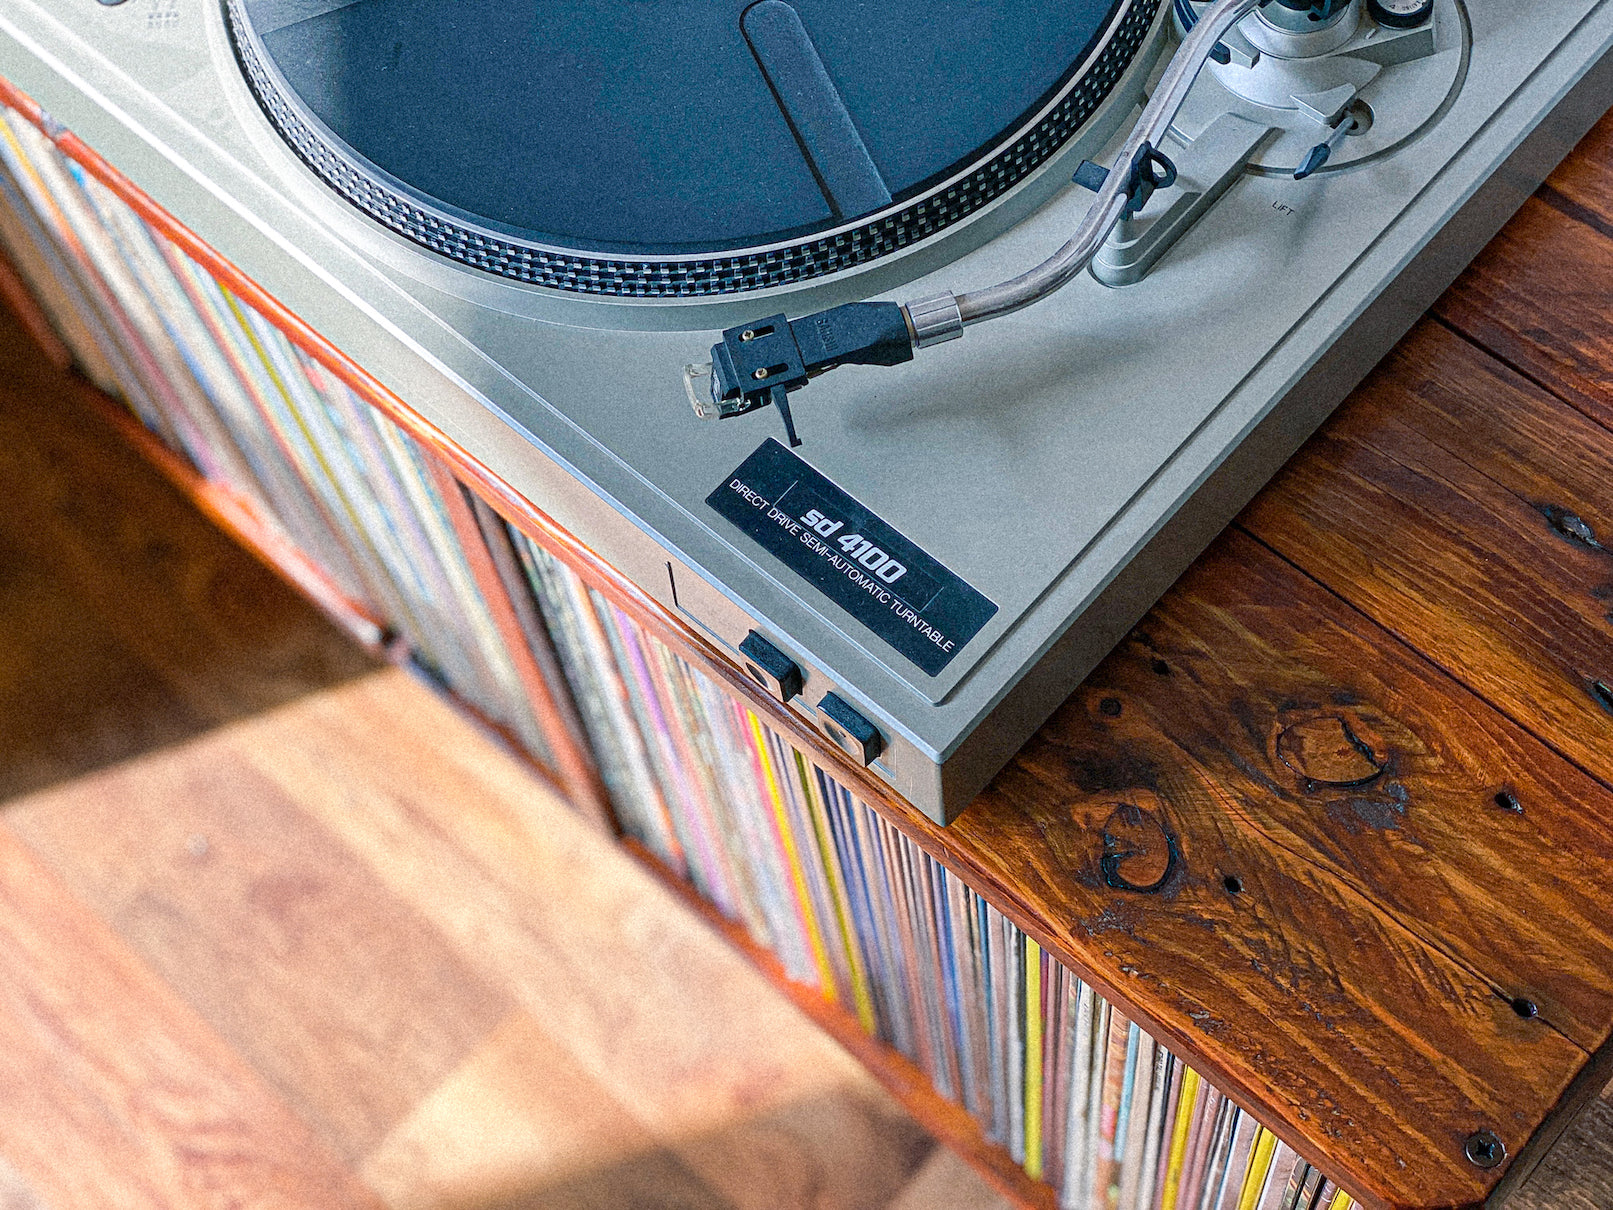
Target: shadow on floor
838, 1150
127, 621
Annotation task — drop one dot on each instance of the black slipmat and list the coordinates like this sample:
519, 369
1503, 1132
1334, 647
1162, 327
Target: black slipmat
667, 148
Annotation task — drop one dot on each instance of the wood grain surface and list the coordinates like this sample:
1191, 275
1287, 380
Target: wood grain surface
1537, 298
222, 886
461, 992
1256, 732
1460, 506
117, 1092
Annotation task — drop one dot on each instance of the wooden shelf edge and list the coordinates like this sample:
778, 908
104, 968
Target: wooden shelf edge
573, 765
947, 1121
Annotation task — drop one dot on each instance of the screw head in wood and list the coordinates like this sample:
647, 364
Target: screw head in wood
1483, 1149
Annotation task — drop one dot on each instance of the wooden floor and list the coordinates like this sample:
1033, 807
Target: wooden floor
126, 620
277, 928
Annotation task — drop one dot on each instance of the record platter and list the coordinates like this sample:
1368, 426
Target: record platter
703, 279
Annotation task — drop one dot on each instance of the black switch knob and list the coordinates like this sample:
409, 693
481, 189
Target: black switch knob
851, 732
771, 668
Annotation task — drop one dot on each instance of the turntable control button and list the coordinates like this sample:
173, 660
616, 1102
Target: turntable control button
771, 668
850, 731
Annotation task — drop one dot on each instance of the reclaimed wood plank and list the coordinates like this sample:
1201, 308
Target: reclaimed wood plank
1460, 506
116, 1092
1381, 772
1540, 296
1158, 831
346, 1001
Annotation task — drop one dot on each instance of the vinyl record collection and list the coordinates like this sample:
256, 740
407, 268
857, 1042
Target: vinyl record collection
222, 386
1077, 1092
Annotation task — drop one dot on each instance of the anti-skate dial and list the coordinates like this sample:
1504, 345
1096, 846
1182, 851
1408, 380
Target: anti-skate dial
1401, 14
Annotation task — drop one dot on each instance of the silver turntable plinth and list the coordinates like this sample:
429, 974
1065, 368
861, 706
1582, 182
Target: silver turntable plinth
1064, 463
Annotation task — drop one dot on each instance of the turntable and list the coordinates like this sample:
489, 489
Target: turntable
705, 279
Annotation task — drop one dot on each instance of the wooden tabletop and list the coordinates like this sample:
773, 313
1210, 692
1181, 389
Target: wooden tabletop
1338, 815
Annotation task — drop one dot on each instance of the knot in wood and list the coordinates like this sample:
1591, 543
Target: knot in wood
1326, 751
1571, 525
1139, 851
